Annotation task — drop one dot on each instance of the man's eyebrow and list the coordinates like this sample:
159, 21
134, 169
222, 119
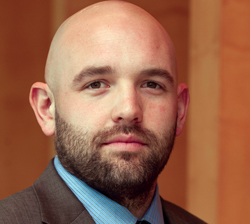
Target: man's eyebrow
91, 71
159, 72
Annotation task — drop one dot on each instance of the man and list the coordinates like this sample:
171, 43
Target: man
112, 101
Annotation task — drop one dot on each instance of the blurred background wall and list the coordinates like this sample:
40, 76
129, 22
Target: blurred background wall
208, 173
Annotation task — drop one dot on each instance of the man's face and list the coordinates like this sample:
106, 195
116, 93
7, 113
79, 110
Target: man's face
117, 103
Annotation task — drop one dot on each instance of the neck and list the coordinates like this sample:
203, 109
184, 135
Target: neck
138, 205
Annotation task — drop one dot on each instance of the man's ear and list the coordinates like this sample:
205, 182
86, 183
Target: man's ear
183, 102
42, 102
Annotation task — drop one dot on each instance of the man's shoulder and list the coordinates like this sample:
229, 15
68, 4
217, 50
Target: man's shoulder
21, 207
49, 200
177, 215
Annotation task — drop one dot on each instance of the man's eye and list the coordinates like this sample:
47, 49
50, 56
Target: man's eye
96, 85
151, 85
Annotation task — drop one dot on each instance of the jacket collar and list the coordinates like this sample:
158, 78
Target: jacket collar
57, 203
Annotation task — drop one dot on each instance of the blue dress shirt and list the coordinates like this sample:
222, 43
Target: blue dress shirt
103, 209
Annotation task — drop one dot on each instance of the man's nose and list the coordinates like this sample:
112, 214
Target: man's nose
127, 107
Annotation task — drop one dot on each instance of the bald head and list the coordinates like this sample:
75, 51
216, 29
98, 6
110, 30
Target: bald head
101, 23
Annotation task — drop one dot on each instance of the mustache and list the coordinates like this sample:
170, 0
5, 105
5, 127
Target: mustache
144, 134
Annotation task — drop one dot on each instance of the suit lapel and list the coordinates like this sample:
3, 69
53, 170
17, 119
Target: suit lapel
58, 204
174, 214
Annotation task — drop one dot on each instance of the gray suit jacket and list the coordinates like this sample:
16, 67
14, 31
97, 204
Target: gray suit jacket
49, 200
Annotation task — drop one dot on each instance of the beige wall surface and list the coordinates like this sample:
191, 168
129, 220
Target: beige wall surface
234, 181
219, 130
203, 117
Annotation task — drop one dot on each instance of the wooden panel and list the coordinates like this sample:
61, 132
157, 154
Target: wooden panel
234, 190
24, 41
203, 139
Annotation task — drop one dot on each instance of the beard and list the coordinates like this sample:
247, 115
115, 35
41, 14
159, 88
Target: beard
120, 175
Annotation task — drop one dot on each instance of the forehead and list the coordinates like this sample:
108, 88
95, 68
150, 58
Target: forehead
125, 44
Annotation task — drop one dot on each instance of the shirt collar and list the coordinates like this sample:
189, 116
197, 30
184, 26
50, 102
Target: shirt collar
103, 209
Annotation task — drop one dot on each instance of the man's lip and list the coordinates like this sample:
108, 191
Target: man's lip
125, 139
